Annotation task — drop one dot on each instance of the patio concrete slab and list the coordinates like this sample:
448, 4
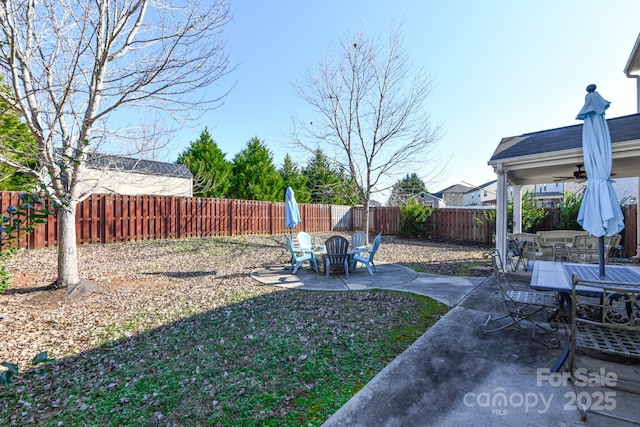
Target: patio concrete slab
388, 275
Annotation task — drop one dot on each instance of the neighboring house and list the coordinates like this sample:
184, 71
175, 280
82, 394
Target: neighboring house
427, 199
127, 176
547, 195
453, 195
552, 195
484, 194
626, 190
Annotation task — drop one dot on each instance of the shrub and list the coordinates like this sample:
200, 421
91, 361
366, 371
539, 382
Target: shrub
414, 218
532, 214
569, 211
15, 225
6, 377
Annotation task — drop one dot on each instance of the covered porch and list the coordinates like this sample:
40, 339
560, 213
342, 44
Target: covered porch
541, 157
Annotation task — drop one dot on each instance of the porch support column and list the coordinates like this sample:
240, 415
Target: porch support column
517, 208
638, 190
501, 212
637, 92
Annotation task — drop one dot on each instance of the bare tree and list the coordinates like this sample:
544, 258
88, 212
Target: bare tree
370, 111
72, 64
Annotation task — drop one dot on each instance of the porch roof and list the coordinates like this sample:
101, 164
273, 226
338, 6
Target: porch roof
543, 156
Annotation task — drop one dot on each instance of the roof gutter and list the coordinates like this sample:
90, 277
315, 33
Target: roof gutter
628, 70
635, 53
637, 77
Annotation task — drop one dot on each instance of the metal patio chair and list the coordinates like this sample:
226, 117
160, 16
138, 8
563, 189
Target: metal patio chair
520, 306
515, 254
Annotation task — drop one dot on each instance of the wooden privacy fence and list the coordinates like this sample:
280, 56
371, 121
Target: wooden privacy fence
629, 234
456, 224
385, 219
469, 225
108, 218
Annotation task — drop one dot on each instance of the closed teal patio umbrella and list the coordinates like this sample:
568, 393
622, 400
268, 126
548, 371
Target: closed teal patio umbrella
291, 212
600, 212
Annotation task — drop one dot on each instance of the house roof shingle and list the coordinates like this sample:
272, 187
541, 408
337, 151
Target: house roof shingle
555, 154
625, 128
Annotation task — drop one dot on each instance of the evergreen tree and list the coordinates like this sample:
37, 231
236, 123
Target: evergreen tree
346, 192
328, 185
317, 173
254, 175
408, 186
211, 172
15, 135
291, 177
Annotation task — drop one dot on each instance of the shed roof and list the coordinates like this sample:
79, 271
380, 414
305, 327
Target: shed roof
147, 167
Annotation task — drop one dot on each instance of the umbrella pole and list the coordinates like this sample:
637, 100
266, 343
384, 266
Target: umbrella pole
291, 257
601, 255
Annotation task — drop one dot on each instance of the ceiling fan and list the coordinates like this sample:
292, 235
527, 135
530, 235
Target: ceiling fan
578, 175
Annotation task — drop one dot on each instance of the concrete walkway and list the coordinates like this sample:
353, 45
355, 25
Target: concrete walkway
455, 376
447, 289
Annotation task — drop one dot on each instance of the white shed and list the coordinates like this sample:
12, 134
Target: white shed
127, 176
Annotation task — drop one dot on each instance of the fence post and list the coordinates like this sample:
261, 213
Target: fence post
232, 206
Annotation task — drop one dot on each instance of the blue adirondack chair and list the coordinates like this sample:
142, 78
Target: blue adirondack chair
358, 240
300, 256
337, 254
365, 255
305, 241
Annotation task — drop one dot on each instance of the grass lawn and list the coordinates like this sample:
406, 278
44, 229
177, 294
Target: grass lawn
282, 359
255, 357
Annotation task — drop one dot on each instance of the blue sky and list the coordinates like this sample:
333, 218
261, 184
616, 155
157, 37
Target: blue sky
499, 68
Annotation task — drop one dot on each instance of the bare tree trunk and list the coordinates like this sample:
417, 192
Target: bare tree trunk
366, 222
68, 255
67, 250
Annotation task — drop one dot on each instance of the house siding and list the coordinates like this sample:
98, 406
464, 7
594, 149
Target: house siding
132, 183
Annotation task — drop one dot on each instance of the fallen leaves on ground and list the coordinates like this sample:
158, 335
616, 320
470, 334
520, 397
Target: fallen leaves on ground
151, 283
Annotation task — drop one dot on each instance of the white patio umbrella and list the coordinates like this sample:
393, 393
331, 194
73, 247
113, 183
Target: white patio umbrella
291, 212
600, 212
